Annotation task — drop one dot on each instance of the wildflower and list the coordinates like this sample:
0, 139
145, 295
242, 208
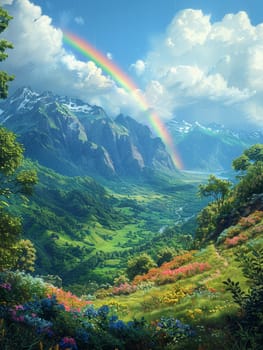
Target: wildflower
90, 312
68, 343
19, 307
103, 311
6, 286
113, 318
119, 325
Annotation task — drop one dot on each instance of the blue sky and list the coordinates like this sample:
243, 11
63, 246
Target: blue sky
192, 59
126, 28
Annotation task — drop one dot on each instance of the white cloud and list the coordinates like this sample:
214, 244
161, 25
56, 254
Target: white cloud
109, 55
196, 70
39, 60
138, 67
79, 20
209, 66
6, 2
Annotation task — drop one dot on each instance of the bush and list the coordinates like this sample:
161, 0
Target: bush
19, 287
139, 265
247, 326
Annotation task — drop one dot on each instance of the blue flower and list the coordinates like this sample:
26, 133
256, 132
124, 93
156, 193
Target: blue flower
113, 318
90, 312
103, 310
119, 325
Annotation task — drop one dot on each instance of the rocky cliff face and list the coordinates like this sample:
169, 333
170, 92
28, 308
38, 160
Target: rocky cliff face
75, 138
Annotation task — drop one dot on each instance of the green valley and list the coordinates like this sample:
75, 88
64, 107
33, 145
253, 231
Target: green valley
79, 227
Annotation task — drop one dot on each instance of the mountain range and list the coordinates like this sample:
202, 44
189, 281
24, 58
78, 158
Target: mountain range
210, 147
75, 138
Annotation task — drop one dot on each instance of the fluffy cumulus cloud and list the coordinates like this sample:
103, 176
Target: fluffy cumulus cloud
138, 67
208, 71
196, 70
40, 60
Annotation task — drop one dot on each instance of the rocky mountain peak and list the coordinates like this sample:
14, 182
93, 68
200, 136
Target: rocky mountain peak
76, 138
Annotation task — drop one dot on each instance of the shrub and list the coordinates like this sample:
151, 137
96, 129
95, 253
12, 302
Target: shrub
124, 288
168, 276
69, 300
139, 265
231, 242
18, 287
153, 273
246, 327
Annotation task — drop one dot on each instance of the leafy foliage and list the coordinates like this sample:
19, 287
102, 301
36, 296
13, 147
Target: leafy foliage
228, 206
18, 287
139, 265
164, 255
248, 326
218, 189
13, 181
45, 322
4, 44
250, 156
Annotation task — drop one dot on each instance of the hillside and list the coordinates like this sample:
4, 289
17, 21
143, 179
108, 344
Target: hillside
191, 286
206, 295
79, 227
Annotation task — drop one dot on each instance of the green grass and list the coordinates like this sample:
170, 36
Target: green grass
206, 301
122, 216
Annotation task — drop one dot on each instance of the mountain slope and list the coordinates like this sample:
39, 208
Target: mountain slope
212, 147
75, 138
83, 231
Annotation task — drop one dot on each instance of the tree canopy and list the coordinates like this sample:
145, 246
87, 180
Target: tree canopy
14, 253
217, 188
4, 44
228, 203
250, 164
251, 156
139, 265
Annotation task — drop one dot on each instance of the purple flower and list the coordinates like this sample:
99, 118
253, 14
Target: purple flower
6, 286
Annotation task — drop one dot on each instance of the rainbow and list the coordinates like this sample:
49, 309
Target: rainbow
125, 81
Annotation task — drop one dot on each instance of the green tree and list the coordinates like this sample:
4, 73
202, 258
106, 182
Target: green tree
246, 328
25, 255
229, 203
13, 181
250, 164
207, 221
250, 156
4, 44
139, 265
216, 188
165, 254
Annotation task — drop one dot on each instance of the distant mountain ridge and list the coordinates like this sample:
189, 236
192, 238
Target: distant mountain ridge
210, 147
75, 138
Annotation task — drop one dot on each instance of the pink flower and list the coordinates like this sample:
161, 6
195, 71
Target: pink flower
19, 307
6, 286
